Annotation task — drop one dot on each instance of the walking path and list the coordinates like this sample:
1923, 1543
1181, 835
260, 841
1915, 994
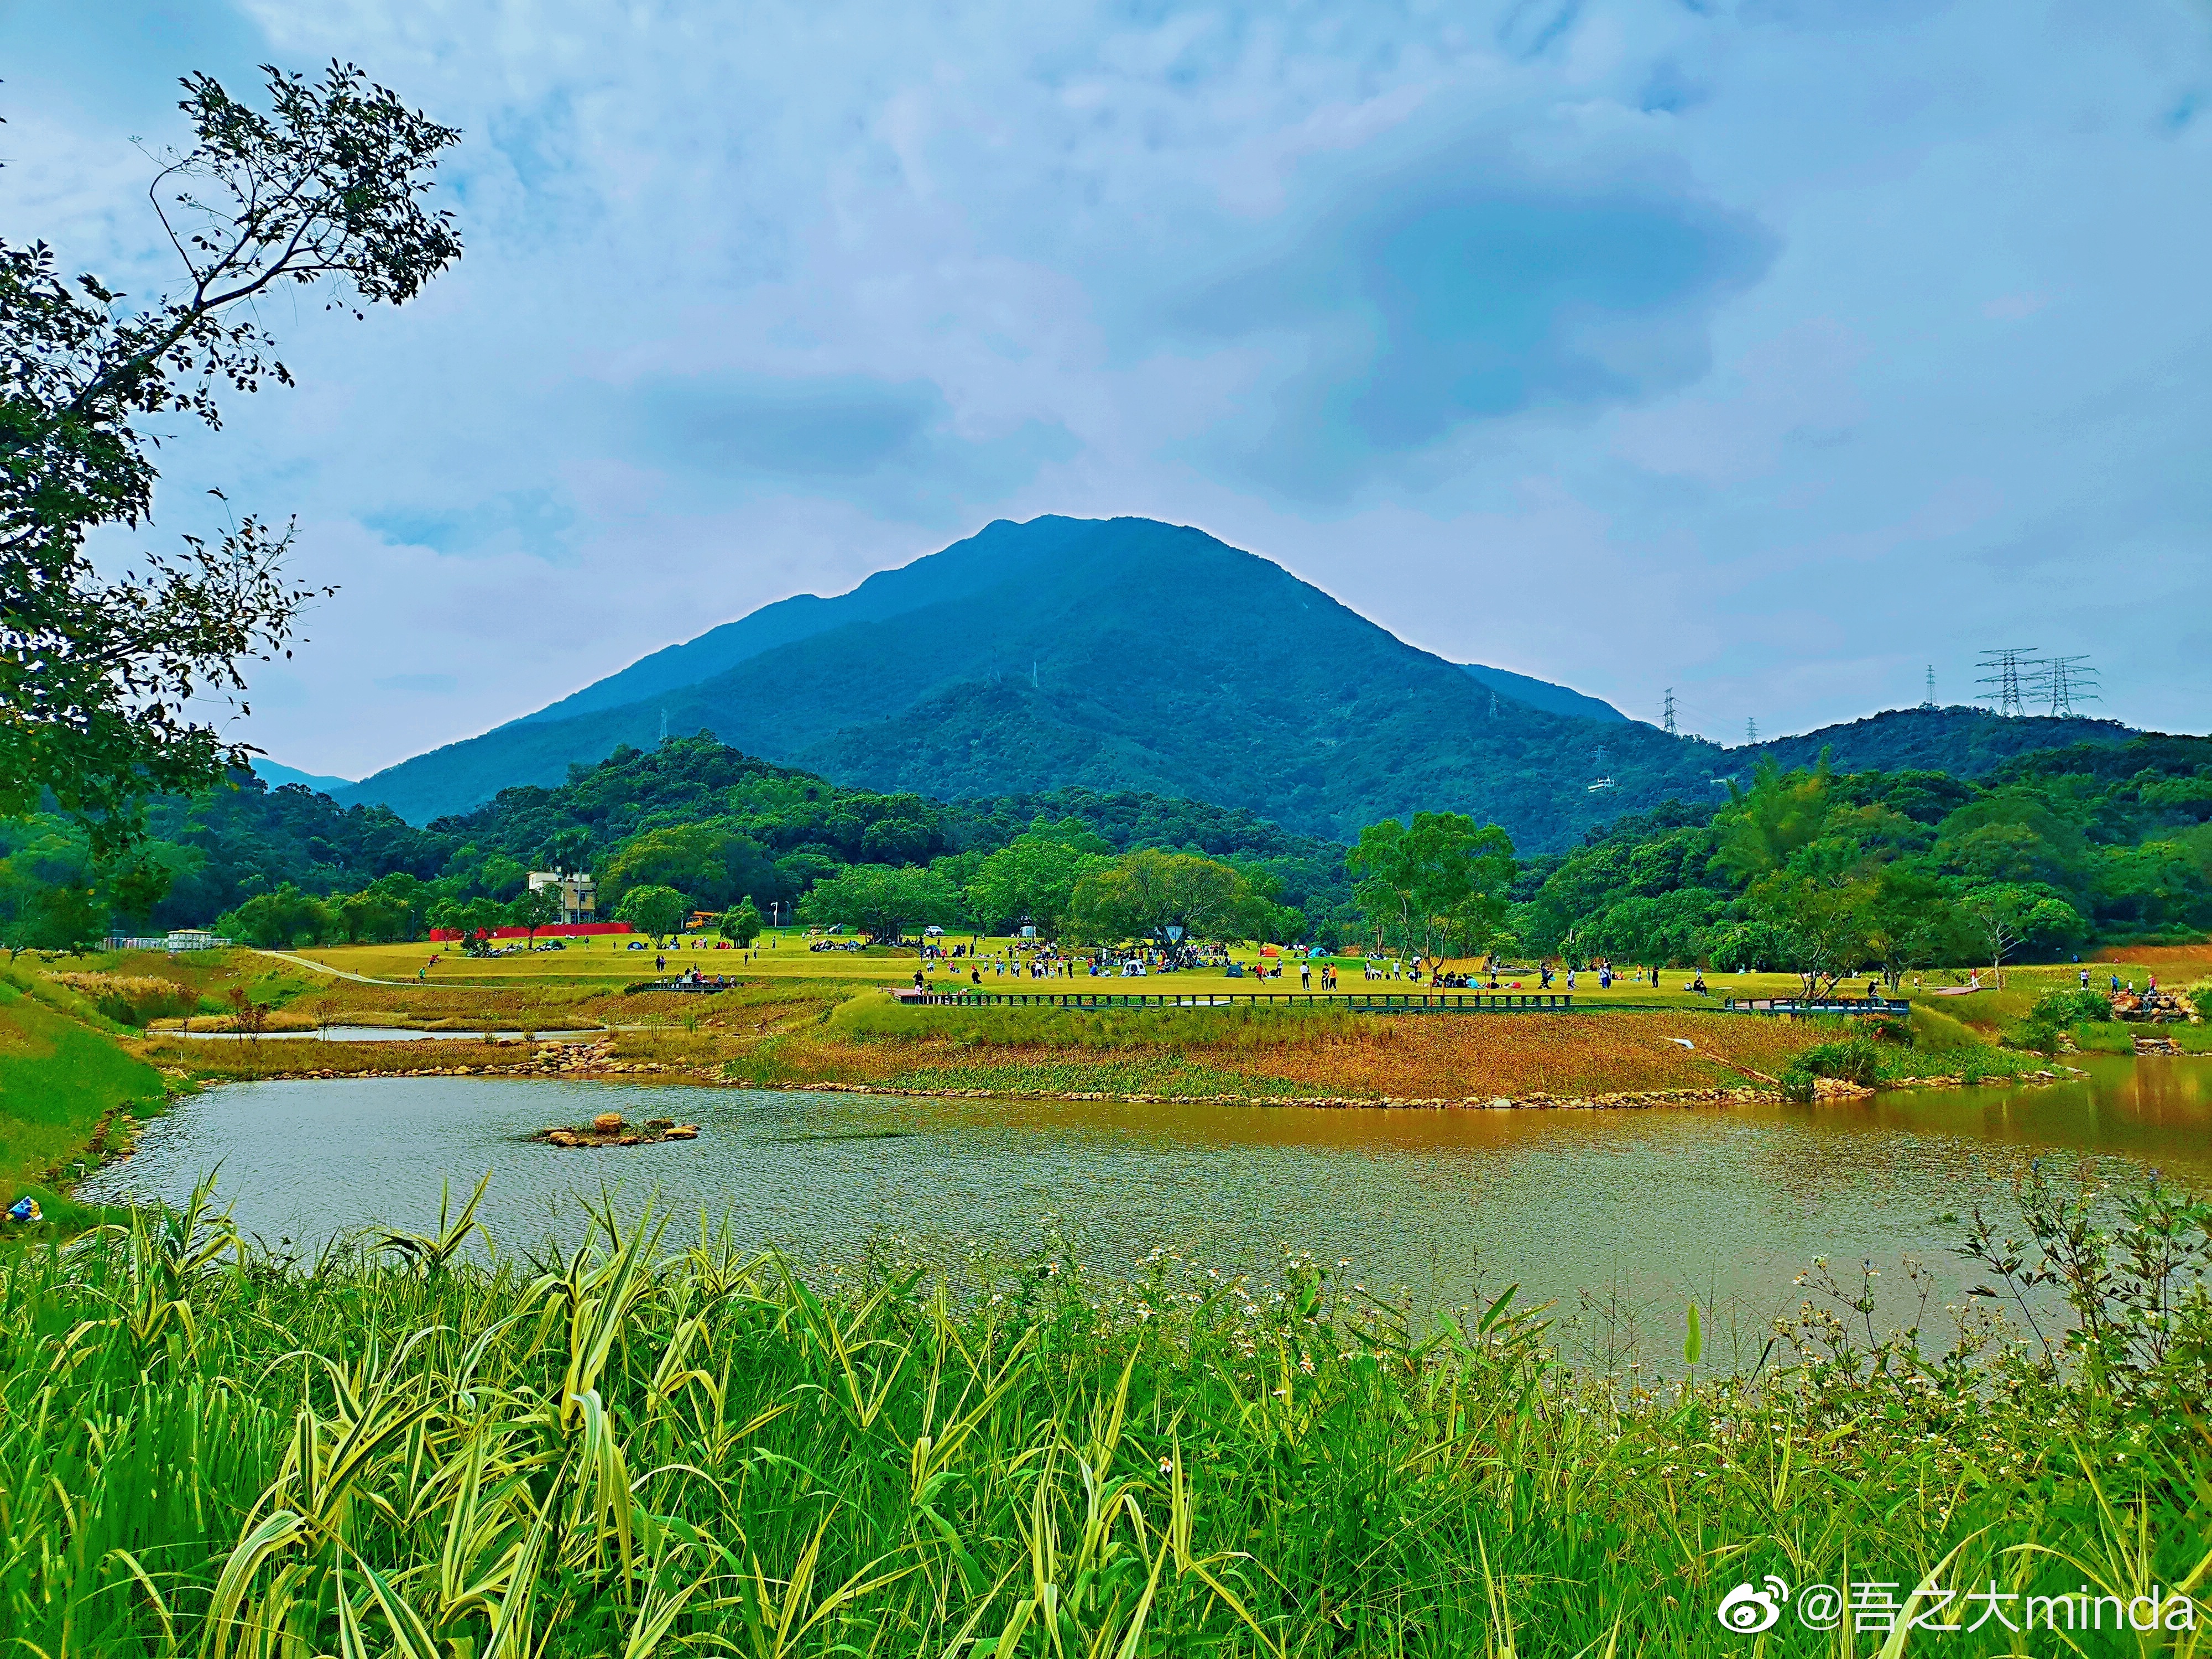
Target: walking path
324, 968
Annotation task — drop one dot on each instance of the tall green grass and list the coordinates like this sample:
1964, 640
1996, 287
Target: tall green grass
628, 1448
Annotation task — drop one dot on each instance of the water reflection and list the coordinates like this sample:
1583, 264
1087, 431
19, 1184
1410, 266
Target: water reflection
1644, 1210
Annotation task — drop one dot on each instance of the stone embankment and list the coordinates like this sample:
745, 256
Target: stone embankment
597, 1060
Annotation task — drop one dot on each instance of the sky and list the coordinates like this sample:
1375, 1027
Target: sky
1767, 350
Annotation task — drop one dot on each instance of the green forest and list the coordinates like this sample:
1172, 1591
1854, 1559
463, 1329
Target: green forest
1812, 870
1826, 873
287, 865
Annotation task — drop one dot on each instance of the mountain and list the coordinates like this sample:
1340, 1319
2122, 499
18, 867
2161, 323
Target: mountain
276, 775
1109, 655
1967, 743
1542, 694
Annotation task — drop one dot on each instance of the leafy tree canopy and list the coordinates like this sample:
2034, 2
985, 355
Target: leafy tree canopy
323, 190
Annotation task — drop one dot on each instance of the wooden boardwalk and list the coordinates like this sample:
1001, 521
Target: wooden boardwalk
1832, 1006
1359, 1002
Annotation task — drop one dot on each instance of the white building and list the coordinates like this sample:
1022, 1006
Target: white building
579, 902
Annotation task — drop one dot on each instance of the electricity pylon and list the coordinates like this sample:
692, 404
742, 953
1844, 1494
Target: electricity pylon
2067, 682
2004, 664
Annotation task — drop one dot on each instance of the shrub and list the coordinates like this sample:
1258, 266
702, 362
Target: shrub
132, 999
2056, 1012
1854, 1058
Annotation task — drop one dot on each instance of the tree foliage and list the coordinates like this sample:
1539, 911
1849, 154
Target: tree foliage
741, 924
1033, 878
323, 190
882, 900
1150, 894
1437, 884
658, 911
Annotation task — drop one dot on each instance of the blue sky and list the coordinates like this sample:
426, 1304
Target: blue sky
1768, 350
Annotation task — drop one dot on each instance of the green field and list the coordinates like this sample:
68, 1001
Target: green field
784, 955
59, 1079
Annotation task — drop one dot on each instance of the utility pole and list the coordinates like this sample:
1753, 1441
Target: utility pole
1668, 719
2003, 664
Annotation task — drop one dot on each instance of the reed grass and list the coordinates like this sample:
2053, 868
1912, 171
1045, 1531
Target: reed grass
412, 1448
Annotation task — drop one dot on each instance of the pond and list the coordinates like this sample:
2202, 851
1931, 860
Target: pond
1620, 1216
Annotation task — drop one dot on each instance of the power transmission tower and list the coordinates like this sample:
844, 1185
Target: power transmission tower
1751, 730
1669, 719
664, 726
1493, 705
1929, 702
2004, 664
2067, 682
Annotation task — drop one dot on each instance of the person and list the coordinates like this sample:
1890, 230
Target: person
660, 962
2085, 979
975, 975
917, 979
1305, 975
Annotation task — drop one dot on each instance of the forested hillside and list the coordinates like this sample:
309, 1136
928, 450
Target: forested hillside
1110, 655
692, 814
1895, 869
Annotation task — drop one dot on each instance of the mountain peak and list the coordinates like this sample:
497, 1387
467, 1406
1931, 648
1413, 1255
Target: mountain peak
1110, 653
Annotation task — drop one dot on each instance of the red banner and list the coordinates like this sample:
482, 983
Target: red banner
551, 930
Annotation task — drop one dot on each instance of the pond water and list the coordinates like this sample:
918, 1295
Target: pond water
1622, 1215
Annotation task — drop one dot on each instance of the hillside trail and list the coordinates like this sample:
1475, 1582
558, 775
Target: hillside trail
324, 968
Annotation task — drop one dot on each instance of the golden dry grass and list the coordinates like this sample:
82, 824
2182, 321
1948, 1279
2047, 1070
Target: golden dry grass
1401, 1057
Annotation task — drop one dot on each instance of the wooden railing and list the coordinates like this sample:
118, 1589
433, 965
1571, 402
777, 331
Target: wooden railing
1357, 1002
1801, 1006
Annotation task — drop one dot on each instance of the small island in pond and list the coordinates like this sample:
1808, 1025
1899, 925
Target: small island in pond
612, 1129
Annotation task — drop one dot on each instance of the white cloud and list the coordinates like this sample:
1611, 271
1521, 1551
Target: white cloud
1981, 346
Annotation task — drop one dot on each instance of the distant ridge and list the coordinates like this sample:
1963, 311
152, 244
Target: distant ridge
1966, 742
1116, 654
276, 775
1542, 694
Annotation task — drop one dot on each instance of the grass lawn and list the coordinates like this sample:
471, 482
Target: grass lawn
785, 955
58, 1079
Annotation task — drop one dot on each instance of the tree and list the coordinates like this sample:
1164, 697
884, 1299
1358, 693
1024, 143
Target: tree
275, 921
1148, 893
658, 911
2005, 916
1032, 878
533, 909
1909, 923
1820, 928
1782, 812
709, 861
1440, 882
881, 899
98, 672
741, 925
37, 914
